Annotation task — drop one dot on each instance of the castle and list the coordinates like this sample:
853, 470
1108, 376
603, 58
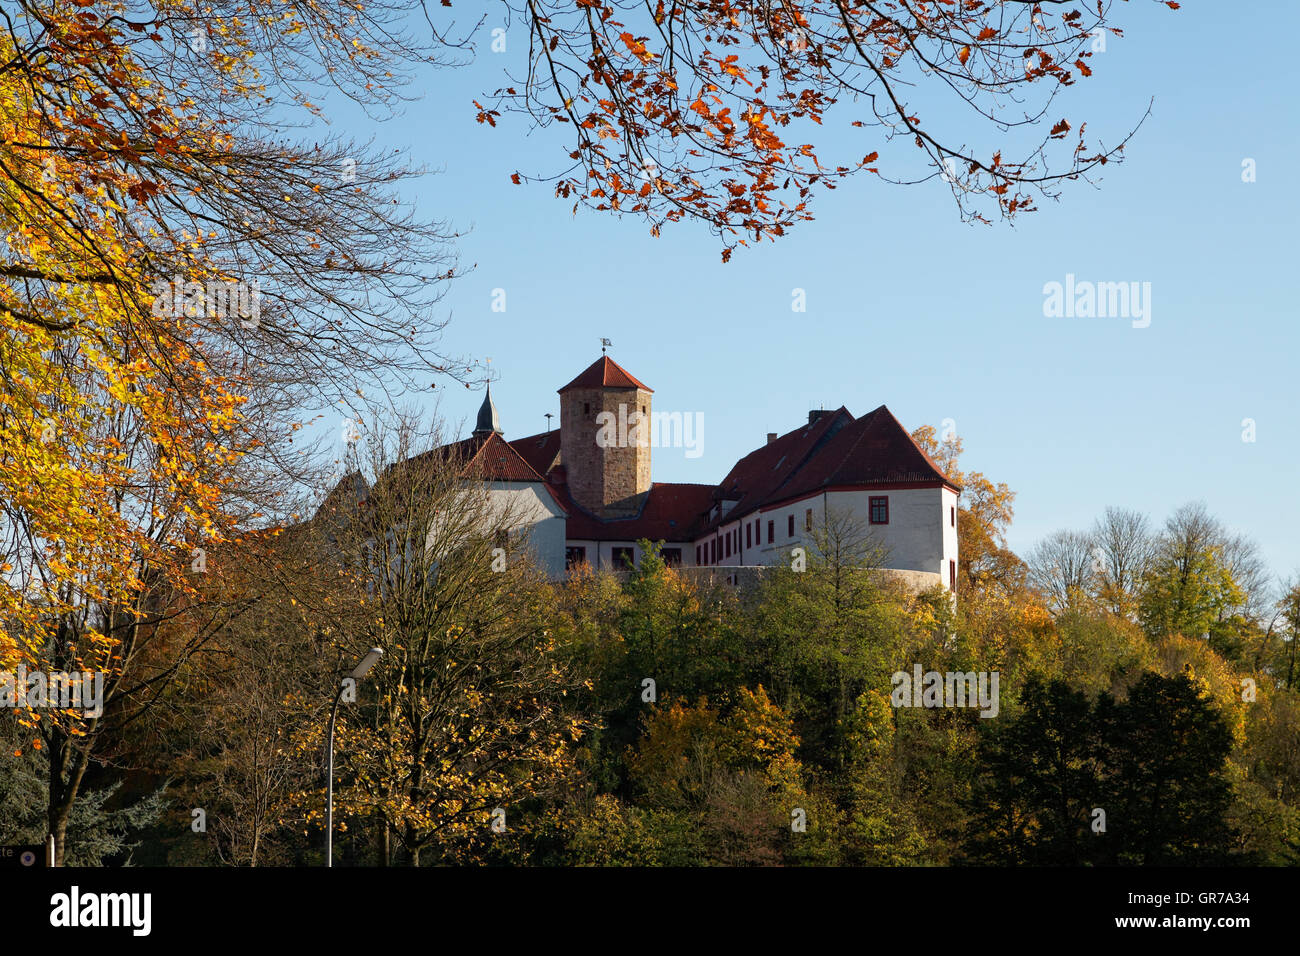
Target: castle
589, 499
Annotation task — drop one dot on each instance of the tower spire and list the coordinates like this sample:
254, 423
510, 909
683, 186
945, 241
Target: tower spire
488, 419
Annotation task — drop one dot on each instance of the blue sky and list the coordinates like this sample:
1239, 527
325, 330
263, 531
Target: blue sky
911, 308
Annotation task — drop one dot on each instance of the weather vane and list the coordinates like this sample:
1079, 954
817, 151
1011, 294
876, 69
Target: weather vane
604, 344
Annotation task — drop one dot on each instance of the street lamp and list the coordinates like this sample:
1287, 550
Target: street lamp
358, 673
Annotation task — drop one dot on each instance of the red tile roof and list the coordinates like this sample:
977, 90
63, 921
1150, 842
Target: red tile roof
488, 458
540, 451
759, 476
605, 373
671, 512
875, 449
835, 450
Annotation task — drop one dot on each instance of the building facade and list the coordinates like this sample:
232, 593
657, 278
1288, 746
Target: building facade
592, 476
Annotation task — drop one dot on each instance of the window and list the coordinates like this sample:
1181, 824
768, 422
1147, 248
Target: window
713, 551
771, 531
758, 532
807, 520
586, 408
621, 557
697, 555
952, 575
574, 557
672, 557
952, 516
789, 530
749, 528
879, 508
727, 541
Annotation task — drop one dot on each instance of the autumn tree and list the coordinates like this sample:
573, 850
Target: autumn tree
710, 111
735, 778
1289, 606
1189, 587
984, 516
469, 712
175, 268
239, 700
827, 626
1122, 543
1062, 567
882, 791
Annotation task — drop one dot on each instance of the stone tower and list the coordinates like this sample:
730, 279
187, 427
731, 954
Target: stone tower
606, 457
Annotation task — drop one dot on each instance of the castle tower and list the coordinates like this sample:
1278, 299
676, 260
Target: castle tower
605, 439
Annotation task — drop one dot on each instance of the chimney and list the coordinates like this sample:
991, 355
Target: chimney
771, 437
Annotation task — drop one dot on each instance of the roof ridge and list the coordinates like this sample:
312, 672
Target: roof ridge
552, 431
825, 423
600, 370
867, 421
924, 454
496, 436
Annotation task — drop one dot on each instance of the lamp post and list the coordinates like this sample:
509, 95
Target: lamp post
358, 674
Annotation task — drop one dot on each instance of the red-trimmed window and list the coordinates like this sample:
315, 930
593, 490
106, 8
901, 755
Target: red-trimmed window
771, 531
952, 575
728, 543
878, 506
749, 536
952, 516
789, 528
